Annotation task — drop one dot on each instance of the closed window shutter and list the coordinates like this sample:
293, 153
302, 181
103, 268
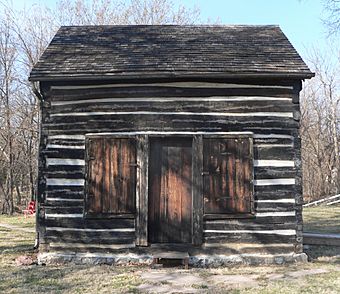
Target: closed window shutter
227, 175
111, 176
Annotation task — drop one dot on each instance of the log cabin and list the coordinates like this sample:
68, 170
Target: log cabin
170, 139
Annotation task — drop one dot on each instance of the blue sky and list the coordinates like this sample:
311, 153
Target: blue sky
300, 20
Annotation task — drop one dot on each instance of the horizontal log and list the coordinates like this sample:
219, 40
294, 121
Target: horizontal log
64, 174
280, 232
89, 240
149, 91
183, 124
248, 237
64, 202
273, 172
179, 105
140, 116
75, 233
260, 135
84, 223
70, 169
273, 206
262, 217
176, 84
245, 225
64, 152
276, 219
247, 248
65, 193
64, 209
281, 153
93, 247
64, 189
281, 190
68, 141
273, 196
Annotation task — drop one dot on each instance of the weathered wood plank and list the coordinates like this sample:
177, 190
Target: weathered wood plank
274, 206
147, 91
64, 209
248, 237
63, 202
171, 190
168, 121
111, 175
250, 224
197, 193
64, 153
198, 106
60, 238
62, 174
142, 191
270, 219
93, 247
84, 223
282, 153
273, 172
65, 193
227, 175
178, 84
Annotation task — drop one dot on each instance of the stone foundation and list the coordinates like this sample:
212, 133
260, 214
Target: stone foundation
212, 260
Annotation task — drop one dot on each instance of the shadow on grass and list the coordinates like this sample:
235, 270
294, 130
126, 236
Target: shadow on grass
323, 253
18, 249
330, 226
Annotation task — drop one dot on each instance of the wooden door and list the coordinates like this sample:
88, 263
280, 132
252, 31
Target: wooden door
170, 190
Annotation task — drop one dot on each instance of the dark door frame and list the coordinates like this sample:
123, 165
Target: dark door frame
142, 193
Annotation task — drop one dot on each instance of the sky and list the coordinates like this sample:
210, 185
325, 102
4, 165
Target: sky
300, 20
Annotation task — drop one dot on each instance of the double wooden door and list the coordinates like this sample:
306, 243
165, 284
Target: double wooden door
170, 190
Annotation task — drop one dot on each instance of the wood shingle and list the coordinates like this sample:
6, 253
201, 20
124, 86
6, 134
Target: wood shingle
90, 52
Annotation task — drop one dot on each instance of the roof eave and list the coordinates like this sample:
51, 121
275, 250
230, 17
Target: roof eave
119, 76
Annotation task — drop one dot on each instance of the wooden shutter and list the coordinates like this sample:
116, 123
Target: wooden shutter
227, 175
111, 175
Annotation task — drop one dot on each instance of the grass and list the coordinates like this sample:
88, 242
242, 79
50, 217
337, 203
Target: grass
18, 220
325, 219
72, 278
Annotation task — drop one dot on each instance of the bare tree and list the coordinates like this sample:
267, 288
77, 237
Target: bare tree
332, 18
24, 35
141, 12
7, 79
320, 126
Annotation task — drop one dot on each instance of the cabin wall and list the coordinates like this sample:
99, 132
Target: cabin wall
269, 109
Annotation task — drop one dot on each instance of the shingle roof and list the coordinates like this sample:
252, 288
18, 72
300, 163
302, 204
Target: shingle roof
169, 51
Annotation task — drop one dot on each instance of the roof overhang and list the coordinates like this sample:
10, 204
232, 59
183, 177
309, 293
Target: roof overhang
167, 75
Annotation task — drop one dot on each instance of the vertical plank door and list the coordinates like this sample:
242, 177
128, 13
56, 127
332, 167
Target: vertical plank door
170, 190
227, 185
111, 176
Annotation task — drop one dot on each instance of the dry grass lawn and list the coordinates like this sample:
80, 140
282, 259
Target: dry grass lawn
112, 279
